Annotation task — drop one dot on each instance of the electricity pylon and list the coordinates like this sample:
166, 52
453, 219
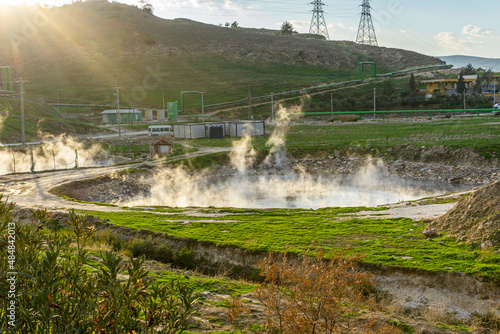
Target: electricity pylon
366, 31
318, 25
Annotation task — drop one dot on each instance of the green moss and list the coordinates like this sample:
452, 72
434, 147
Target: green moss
393, 242
79, 201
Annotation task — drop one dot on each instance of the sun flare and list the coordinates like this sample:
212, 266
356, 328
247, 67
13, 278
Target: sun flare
49, 3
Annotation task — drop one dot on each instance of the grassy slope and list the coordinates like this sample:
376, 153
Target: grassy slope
88, 48
39, 117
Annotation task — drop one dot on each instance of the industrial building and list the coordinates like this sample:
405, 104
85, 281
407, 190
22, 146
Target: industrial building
126, 116
216, 130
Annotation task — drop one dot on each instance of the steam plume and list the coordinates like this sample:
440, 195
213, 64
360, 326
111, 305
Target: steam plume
55, 153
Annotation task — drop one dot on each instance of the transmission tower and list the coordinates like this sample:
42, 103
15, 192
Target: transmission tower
366, 32
318, 25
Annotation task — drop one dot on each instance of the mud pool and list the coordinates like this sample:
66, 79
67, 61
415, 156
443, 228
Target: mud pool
289, 191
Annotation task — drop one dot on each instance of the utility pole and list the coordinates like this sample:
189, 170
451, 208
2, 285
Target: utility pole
202, 107
163, 96
494, 93
331, 102
23, 132
249, 97
366, 31
465, 90
118, 116
58, 105
272, 107
318, 25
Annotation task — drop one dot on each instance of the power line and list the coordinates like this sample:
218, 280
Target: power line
366, 31
318, 25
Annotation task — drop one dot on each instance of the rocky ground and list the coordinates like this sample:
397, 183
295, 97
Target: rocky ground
475, 219
406, 169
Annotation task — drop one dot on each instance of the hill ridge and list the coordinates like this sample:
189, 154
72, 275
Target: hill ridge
88, 48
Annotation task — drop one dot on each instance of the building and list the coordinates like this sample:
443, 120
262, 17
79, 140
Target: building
448, 87
126, 116
161, 148
493, 86
220, 129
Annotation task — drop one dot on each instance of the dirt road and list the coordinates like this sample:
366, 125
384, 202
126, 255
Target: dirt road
31, 190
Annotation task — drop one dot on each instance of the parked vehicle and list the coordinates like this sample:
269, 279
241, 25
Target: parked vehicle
496, 112
160, 130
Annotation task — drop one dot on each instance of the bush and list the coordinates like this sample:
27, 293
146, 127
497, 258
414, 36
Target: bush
311, 295
185, 257
54, 292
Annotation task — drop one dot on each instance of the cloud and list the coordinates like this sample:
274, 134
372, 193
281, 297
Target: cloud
229, 5
176, 4
340, 31
476, 31
299, 25
452, 42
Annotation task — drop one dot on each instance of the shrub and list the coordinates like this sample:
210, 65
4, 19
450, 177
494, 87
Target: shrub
54, 292
314, 295
185, 257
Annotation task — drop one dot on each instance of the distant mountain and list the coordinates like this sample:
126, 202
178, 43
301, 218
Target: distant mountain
462, 61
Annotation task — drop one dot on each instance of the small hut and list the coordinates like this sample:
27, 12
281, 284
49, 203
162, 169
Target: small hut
161, 148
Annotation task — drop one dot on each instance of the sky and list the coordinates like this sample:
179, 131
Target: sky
431, 27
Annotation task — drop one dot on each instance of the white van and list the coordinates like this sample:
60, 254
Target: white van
496, 112
160, 130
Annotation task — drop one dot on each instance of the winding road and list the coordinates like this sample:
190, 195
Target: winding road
31, 190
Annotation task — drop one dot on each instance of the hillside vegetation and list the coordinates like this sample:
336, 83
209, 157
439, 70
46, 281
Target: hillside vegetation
85, 49
40, 120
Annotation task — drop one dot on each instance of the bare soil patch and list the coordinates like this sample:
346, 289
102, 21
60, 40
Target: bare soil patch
474, 219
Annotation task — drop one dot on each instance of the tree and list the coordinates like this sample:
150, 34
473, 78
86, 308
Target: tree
478, 87
469, 69
461, 84
227, 25
388, 87
413, 84
148, 8
235, 24
287, 29
488, 76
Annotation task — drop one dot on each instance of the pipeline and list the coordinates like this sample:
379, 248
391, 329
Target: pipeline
324, 87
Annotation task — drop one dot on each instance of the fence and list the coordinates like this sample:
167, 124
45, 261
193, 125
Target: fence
23, 162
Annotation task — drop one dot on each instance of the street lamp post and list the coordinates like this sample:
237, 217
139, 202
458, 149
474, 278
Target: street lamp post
23, 131
494, 93
118, 116
202, 107
272, 107
58, 104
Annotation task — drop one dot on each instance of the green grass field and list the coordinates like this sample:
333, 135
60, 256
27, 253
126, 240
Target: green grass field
393, 242
375, 138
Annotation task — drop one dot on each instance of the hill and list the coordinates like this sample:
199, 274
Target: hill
462, 61
40, 120
85, 49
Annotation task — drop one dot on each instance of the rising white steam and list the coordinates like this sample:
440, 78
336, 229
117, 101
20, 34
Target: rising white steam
246, 187
242, 156
54, 153
371, 186
277, 139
